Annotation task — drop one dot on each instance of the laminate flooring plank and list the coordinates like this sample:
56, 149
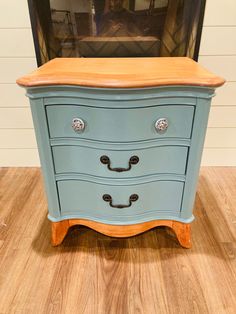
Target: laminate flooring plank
94, 274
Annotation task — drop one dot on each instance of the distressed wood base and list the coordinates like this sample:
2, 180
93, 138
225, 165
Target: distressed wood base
182, 230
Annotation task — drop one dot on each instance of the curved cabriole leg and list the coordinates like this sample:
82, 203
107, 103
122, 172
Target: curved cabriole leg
183, 233
59, 231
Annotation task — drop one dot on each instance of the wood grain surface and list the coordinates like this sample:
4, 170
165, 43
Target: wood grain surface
94, 274
121, 73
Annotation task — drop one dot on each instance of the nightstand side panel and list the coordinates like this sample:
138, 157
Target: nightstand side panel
195, 155
45, 155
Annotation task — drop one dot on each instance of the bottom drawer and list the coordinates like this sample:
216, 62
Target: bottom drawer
120, 204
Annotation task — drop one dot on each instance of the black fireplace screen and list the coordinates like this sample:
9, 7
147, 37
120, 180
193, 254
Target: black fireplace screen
116, 28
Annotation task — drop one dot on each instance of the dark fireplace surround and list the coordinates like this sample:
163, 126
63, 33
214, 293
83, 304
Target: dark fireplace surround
116, 28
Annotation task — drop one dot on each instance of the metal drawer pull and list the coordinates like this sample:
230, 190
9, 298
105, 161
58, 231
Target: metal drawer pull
78, 125
161, 125
106, 161
132, 198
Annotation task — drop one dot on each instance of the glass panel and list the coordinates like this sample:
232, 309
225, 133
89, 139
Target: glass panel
116, 28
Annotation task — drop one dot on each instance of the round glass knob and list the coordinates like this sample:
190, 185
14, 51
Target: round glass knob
78, 125
161, 125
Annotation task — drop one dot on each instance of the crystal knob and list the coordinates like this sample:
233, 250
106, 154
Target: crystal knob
161, 125
78, 125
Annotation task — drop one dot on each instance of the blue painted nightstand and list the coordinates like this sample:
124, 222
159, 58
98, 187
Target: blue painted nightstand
120, 141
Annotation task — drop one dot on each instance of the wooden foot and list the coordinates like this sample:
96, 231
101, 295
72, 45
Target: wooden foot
59, 231
183, 233
182, 230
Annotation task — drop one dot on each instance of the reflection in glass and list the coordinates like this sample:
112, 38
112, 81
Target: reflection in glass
116, 28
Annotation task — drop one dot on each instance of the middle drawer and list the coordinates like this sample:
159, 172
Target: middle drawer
166, 159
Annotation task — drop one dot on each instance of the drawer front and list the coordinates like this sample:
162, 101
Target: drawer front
120, 125
154, 160
153, 200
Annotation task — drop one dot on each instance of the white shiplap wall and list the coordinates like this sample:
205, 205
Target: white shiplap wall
17, 141
218, 53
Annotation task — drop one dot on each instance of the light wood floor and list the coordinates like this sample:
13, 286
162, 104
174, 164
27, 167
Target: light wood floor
93, 274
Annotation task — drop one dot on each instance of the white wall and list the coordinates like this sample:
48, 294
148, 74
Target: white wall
218, 53
17, 57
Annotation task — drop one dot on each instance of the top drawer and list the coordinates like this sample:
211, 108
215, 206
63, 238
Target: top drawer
120, 125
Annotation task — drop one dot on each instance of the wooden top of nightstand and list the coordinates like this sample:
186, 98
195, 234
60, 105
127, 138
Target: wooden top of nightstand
121, 73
